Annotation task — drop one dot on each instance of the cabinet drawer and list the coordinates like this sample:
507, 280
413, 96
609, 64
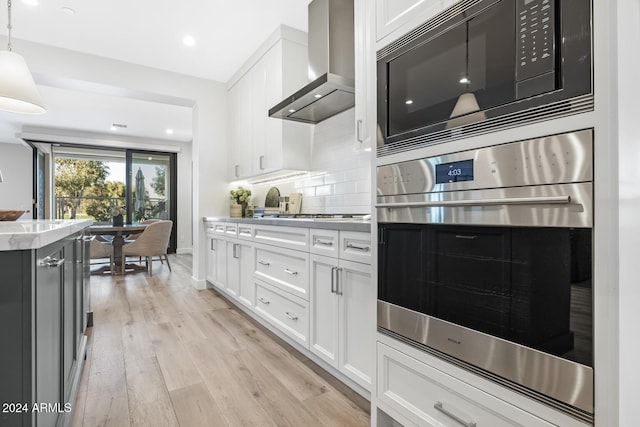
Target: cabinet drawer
245, 231
427, 395
286, 237
284, 268
286, 312
323, 242
213, 228
355, 246
231, 229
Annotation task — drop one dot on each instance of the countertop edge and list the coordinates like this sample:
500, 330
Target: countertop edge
355, 225
52, 231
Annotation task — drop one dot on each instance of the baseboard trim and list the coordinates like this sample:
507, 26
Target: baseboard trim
184, 251
199, 284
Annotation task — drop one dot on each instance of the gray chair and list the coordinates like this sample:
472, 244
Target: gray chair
153, 241
99, 249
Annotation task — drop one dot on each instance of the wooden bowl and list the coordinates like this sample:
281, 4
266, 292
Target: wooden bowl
6, 215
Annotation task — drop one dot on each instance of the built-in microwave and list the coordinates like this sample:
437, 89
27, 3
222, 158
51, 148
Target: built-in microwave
481, 66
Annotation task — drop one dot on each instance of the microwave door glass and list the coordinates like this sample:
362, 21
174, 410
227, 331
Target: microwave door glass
468, 67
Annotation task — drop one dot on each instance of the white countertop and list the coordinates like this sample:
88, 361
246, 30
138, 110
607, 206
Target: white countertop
35, 234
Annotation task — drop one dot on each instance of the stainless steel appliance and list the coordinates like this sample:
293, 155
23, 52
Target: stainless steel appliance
485, 260
484, 65
331, 66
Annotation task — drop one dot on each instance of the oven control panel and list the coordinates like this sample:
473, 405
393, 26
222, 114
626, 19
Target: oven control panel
556, 159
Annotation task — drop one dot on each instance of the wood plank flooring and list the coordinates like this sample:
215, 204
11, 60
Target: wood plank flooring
162, 353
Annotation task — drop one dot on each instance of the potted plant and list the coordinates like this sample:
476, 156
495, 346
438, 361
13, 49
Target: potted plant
117, 219
241, 197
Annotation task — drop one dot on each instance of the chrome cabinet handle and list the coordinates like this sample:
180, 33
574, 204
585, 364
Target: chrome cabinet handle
334, 274
358, 248
264, 263
261, 162
484, 202
50, 262
359, 130
212, 248
461, 236
235, 250
438, 406
88, 238
323, 242
291, 272
237, 171
291, 316
338, 284
264, 301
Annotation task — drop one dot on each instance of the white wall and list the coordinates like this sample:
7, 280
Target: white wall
208, 98
16, 190
341, 172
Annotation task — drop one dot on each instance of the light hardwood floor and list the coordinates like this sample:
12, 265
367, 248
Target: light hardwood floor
162, 353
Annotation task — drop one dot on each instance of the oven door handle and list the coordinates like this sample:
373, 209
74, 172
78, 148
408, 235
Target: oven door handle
484, 202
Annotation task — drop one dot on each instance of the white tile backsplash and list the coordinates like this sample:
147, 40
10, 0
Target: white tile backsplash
340, 179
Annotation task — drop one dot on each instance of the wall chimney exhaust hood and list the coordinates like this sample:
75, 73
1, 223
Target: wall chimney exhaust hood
331, 66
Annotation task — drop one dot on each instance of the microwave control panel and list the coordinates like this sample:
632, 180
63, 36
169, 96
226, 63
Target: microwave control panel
535, 32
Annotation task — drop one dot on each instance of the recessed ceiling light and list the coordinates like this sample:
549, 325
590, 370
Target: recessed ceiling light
189, 41
68, 10
318, 95
30, 2
169, 131
409, 101
292, 110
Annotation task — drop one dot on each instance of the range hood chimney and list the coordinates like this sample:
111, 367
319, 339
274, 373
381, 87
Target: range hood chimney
331, 66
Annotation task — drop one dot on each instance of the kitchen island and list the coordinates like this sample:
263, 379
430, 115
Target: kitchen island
43, 315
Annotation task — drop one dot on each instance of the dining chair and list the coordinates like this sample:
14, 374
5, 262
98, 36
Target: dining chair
99, 249
153, 241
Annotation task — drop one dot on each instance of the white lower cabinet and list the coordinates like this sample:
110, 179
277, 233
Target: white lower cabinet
343, 316
426, 396
324, 309
357, 319
211, 260
287, 312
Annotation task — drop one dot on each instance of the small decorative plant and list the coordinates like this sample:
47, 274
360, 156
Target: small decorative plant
240, 195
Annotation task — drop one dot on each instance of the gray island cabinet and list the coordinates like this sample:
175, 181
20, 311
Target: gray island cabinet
43, 315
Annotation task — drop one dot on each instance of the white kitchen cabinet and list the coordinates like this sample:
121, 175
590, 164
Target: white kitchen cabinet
391, 15
290, 314
420, 394
357, 319
365, 74
284, 268
240, 268
324, 310
220, 281
211, 261
258, 143
342, 312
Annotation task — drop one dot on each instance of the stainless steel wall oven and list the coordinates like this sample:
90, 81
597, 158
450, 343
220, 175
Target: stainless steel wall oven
485, 259
484, 65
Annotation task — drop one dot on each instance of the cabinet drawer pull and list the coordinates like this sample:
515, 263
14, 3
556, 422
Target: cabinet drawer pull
291, 272
461, 236
323, 242
291, 316
264, 263
88, 238
50, 262
264, 301
358, 248
438, 406
261, 162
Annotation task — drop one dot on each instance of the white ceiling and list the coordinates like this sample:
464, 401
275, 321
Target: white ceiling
149, 33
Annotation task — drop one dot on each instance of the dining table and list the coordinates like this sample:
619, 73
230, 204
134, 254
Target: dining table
119, 233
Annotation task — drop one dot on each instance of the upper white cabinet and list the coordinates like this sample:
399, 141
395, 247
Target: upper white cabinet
365, 73
391, 15
259, 144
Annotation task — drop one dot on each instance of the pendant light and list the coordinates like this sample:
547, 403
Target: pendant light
18, 92
467, 102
